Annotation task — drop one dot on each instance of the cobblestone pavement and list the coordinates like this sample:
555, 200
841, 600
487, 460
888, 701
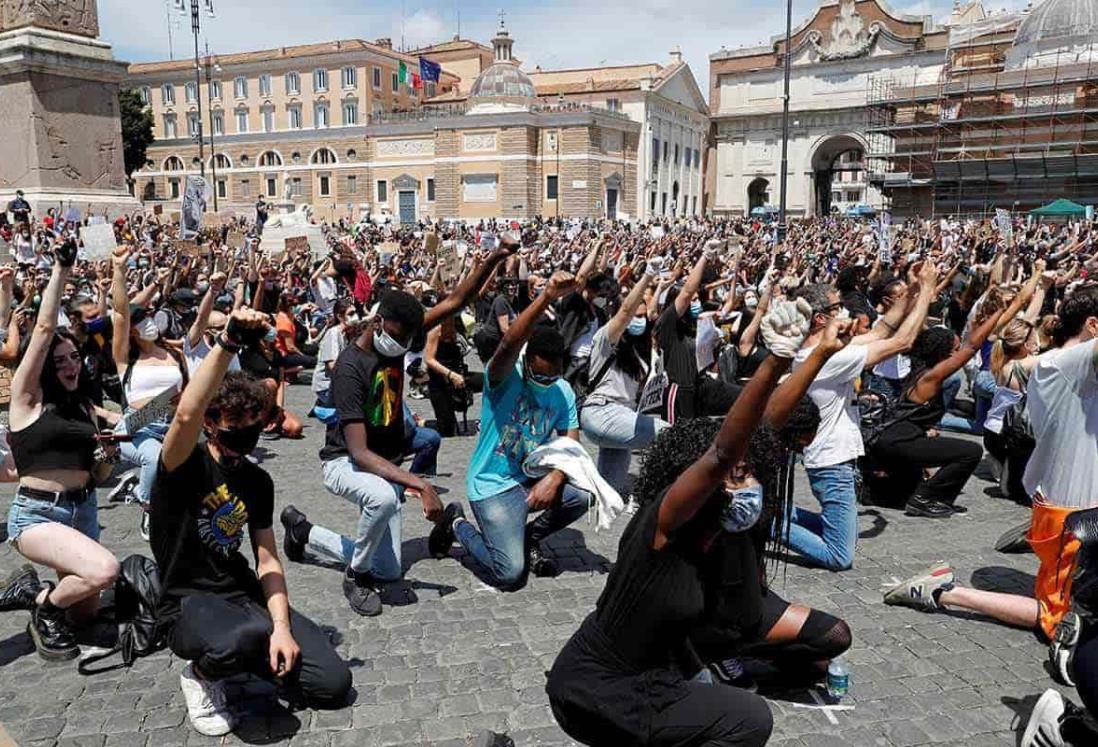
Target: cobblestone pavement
451, 657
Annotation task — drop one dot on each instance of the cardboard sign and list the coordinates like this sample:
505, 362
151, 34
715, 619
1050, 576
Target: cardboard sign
158, 209
296, 244
99, 241
187, 247
431, 242
386, 250
156, 410
234, 240
449, 265
5, 251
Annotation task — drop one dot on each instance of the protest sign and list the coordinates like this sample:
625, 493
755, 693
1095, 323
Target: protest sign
158, 209
1006, 228
448, 263
187, 247
234, 240
657, 232
884, 248
5, 251
296, 244
431, 242
386, 250
99, 241
158, 409
192, 205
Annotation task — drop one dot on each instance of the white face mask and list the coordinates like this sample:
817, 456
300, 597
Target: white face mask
146, 329
386, 346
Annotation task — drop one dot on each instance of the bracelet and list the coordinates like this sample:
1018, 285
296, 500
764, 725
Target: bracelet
230, 346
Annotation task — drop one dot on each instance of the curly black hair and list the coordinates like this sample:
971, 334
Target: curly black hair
239, 395
931, 347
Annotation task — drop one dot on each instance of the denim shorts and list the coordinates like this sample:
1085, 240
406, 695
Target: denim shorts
26, 512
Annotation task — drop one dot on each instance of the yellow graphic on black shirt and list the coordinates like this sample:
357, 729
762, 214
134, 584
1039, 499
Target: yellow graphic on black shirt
221, 521
384, 405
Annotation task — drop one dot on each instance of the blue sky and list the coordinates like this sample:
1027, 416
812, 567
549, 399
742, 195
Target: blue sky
560, 33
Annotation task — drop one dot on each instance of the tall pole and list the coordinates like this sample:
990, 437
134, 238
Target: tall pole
785, 123
196, 26
210, 114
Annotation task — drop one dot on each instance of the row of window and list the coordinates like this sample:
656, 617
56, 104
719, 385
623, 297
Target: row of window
294, 118
675, 208
267, 159
323, 186
292, 84
691, 156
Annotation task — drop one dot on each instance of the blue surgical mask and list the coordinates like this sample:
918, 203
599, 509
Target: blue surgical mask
741, 509
637, 326
695, 308
271, 334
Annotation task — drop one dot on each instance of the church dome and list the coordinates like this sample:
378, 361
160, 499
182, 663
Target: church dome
1067, 27
502, 87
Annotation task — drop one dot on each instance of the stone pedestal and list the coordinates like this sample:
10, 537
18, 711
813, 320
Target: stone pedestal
59, 113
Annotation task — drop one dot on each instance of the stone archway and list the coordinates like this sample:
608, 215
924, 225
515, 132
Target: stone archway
758, 193
832, 158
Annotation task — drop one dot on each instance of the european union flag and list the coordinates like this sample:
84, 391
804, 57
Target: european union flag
429, 70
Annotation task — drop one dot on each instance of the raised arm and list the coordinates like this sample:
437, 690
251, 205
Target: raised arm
913, 323
928, 384
693, 282
26, 391
202, 317
617, 324
783, 329
190, 415
588, 265
747, 339
792, 390
469, 285
120, 304
506, 355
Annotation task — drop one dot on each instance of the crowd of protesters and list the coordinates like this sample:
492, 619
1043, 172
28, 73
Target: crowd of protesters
721, 350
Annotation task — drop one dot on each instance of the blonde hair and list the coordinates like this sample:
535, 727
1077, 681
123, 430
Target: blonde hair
1012, 341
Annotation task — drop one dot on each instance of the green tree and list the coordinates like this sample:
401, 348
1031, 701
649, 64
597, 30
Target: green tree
137, 128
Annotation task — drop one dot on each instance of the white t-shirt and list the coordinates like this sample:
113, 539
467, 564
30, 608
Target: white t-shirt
326, 293
1063, 410
194, 356
839, 439
331, 345
896, 368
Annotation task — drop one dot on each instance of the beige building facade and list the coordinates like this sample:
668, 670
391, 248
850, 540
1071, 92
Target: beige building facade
487, 142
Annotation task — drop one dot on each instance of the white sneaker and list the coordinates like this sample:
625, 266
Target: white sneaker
206, 704
1043, 729
124, 490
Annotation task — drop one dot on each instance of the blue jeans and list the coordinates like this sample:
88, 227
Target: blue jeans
144, 451
827, 539
499, 548
891, 388
616, 430
422, 443
983, 391
376, 546
26, 512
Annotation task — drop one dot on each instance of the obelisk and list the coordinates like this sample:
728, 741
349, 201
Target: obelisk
59, 108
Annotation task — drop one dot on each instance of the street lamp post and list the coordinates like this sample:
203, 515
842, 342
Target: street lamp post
196, 28
213, 130
785, 123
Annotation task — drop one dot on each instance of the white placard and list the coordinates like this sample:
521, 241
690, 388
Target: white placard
884, 248
156, 410
1006, 229
192, 206
99, 241
657, 232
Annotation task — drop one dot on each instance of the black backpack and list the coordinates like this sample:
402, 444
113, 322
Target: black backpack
876, 413
137, 593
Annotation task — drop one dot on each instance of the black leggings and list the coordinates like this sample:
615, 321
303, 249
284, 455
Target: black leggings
443, 402
1014, 465
905, 457
226, 636
298, 360
713, 716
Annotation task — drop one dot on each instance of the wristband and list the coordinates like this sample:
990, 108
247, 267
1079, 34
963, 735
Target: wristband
224, 342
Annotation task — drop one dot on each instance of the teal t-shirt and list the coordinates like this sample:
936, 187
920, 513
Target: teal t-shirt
514, 421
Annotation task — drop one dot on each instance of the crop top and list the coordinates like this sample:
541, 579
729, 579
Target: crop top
61, 438
145, 382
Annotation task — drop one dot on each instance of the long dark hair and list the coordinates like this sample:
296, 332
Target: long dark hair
53, 392
634, 353
931, 347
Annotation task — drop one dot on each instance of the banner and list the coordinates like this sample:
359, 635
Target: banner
402, 71
99, 241
192, 206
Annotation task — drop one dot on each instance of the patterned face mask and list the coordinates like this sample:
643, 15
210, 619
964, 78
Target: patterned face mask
741, 509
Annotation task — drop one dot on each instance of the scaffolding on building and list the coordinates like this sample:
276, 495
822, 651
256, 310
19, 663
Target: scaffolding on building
981, 136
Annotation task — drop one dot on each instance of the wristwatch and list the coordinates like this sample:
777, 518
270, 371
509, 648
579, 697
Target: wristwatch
224, 342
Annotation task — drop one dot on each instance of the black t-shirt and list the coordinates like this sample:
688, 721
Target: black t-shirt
368, 389
677, 349
196, 526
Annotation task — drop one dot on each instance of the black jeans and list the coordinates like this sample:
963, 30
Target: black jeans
442, 400
226, 636
904, 452
298, 360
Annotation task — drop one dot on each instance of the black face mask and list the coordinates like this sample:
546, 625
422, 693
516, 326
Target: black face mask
240, 441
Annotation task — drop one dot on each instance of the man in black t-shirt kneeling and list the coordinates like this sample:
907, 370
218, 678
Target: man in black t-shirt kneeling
218, 614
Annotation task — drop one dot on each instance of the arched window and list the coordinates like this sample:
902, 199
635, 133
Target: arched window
269, 159
221, 161
323, 156
173, 163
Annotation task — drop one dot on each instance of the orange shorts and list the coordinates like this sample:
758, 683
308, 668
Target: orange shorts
1056, 552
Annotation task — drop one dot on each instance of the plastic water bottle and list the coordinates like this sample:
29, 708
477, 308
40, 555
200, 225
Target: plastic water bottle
838, 681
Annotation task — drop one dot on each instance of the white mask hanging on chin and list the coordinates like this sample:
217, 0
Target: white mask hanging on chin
146, 329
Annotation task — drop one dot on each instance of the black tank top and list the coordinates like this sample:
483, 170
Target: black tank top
61, 438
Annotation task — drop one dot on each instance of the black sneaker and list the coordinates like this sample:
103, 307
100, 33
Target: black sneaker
441, 538
20, 589
927, 508
539, 564
293, 547
51, 635
361, 593
1062, 649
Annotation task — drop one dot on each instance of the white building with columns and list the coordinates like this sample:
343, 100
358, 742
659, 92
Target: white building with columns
834, 57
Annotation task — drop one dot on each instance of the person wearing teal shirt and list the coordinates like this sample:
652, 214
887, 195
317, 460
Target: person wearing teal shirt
526, 405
